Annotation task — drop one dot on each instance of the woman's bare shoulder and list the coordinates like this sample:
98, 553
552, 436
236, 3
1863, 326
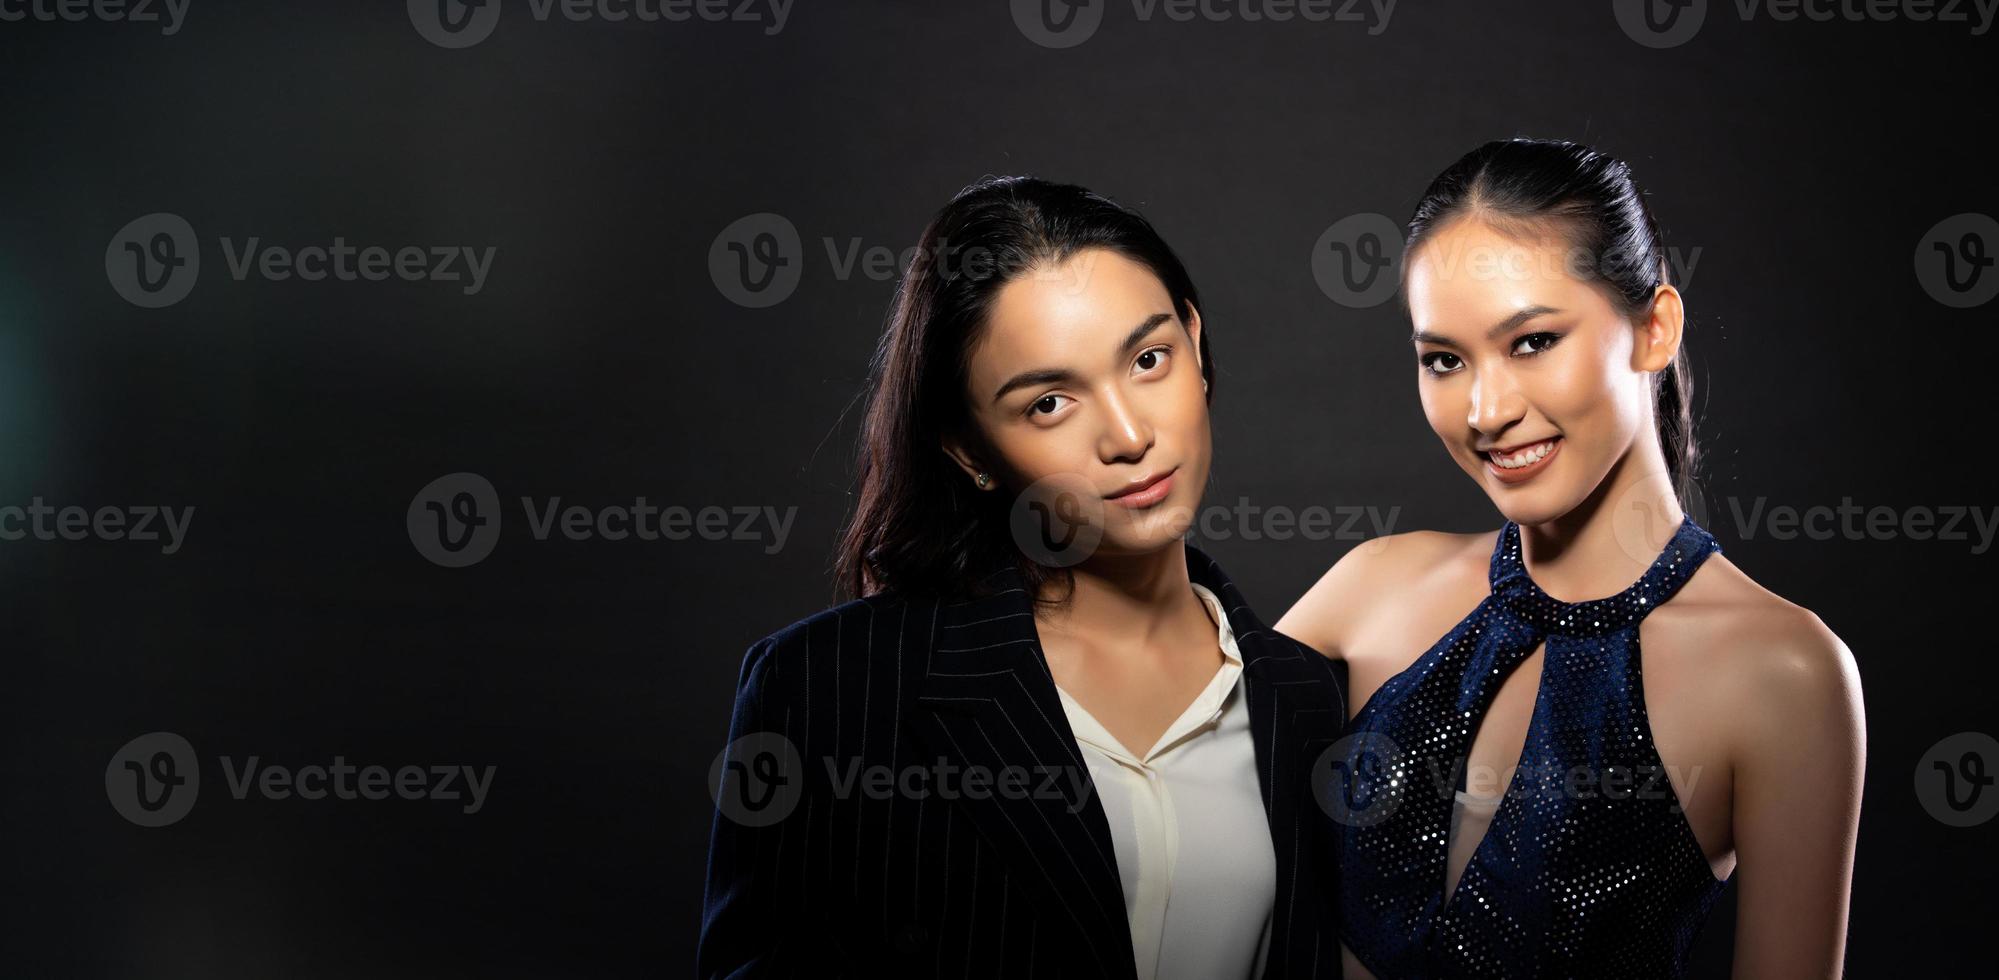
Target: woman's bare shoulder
1776, 657
1376, 569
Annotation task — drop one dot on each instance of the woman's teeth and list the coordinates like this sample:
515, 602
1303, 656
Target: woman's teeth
1524, 457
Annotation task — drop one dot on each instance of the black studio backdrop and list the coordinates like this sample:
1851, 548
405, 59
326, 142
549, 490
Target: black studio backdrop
295, 277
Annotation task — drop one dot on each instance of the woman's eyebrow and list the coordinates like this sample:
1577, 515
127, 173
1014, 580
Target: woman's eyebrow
1054, 375
1494, 332
1139, 332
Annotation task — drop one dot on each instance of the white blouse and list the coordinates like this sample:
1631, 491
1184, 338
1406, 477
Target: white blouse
1191, 837
1470, 816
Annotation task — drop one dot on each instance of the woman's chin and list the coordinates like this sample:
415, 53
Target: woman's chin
1528, 508
1146, 532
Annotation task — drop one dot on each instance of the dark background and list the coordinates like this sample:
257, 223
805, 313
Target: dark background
601, 362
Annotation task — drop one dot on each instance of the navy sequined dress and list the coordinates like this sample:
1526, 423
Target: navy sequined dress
1589, 868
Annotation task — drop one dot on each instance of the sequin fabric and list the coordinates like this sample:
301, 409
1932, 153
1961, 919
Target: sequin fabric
1589, 868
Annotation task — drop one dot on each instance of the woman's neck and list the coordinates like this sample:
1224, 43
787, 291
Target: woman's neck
1607, 542
1127, 598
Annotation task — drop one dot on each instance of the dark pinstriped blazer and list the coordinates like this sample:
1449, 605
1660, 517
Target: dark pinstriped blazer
941, 877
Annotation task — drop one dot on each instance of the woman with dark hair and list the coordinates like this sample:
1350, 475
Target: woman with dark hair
1047, 738
1520, 798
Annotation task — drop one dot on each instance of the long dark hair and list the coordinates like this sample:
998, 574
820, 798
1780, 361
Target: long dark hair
1589, 198
919, 525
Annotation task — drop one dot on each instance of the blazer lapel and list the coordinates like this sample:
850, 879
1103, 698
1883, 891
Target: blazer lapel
991, 708
1297, 710
990, 705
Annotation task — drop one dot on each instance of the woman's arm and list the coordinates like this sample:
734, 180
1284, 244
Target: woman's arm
1800, 752
753, 912
1325, 617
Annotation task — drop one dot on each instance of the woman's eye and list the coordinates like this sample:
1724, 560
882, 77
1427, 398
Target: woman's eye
1151, 359
1535, 343
1439, 362
1045, 405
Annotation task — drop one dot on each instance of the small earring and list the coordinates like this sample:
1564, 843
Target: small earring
984, 481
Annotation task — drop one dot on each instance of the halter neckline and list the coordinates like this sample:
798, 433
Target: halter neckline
1578, 872
1690, 545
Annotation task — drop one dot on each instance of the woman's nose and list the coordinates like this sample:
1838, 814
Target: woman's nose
1496, 401
1127, 434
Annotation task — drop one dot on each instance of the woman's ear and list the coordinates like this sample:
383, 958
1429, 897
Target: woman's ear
1658, 340
966, 462
1194, 334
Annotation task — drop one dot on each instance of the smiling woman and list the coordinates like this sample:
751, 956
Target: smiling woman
1549, 360
1129, 748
